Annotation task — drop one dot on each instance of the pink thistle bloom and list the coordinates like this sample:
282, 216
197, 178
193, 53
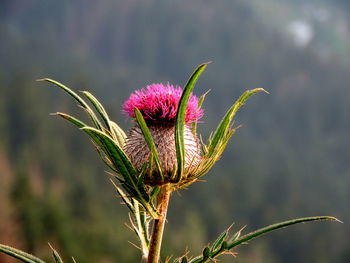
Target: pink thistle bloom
159, 103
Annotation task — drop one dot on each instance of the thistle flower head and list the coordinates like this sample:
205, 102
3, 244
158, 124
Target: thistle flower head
159, 103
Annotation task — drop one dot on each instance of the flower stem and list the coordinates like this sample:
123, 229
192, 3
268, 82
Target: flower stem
158, 225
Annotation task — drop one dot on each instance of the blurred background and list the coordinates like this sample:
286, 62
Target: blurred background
291, 158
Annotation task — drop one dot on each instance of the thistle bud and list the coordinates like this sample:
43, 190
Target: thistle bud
158, 105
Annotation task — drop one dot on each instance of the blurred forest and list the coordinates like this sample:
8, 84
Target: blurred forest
291, 158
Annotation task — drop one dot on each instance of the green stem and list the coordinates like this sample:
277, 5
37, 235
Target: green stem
259, 232
158, 225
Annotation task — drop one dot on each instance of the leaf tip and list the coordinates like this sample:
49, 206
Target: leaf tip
50, 246
264, 90
329, 218
335, 219
203, 65
63, 115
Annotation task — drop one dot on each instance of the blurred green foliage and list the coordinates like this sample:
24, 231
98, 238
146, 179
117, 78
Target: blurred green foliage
290, 159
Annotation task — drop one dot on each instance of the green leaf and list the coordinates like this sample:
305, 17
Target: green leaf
270, 228
180, 121
80, 101
124, 166
218, 242
224, 126
145, 222
141, 228
154, 192
99, 108
236, 235
206, 253
80, 124
226, 246
184, 260
200, 103
123, 196
118, 133
68, 90
142, 174
73, 120
55, 255
149, 140
21, 255
115, 153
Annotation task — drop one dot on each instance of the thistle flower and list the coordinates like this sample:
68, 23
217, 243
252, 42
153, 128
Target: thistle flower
162, 147
160, 154
158, 105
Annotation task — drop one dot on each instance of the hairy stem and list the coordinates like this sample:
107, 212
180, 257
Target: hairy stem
158, 225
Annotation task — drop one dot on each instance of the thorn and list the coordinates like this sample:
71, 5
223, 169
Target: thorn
229, 228
133, 224
167, 260
336, 219
114, 184
128, 226
178, 192
242, 228
50, 246
134, 245
206, 93
230, 253
109, 173
263, 90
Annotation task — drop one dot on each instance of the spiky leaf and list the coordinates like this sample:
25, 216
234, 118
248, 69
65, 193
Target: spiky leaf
180, 120
115, 153
200, 103
80, 101
118, 133
223, 127
19, 254
124, 166
270, 228
149, 140
218, 242
226, 246
55, 255
99, 108
71, 119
